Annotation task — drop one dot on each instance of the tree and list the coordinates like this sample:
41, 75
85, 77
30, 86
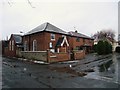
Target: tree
104, 35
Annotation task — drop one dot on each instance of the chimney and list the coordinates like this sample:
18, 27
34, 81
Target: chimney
76, 31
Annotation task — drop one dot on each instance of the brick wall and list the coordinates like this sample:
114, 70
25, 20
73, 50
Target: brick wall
39, 37
50, 57
79, 54
43, 39
57, 57
35, 55
8, 52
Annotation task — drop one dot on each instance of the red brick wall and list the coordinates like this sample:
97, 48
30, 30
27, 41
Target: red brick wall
79, 54
48, 40
89, 42
73, 43
8, 52
43, 39
57, 57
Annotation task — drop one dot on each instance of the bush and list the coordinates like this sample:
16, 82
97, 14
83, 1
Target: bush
103, 47
100, 48
95, 48
117, 49
108, 47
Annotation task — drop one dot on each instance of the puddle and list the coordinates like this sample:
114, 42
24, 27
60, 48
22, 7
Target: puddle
68, 70
107, 71
105, 66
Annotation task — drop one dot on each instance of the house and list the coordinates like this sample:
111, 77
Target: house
50, 43
4, 46
44, 37
14, 45
80, 41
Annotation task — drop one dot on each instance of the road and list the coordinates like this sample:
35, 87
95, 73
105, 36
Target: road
79, 74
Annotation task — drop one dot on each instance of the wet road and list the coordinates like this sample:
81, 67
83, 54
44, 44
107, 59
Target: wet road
21, 74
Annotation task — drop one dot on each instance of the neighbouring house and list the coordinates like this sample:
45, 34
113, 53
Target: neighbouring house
14, 45
4, 46
80, 41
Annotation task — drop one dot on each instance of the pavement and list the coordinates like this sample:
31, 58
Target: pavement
71, 74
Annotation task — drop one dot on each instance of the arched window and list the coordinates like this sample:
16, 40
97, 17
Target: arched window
34, 45
12, 45
25, 46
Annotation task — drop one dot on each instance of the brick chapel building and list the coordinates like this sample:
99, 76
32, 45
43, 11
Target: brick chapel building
47, 36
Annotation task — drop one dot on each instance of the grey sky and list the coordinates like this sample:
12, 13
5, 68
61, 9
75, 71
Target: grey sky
87, 17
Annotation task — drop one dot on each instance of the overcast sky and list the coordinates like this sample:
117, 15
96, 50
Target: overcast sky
86, 17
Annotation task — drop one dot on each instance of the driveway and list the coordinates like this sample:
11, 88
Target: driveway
77, 74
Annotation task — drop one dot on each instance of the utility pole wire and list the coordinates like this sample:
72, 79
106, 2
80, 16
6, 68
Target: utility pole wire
9, 3
30, 3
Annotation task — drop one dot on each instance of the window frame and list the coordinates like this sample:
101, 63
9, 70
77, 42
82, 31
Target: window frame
34, 45
50, 45
12, 46
78, 39
52, 37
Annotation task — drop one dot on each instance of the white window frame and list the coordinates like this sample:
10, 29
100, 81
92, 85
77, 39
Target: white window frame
34, 46
52, 35
58, 50
50, 45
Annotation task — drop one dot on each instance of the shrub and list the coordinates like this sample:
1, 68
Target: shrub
95, 48
103, 47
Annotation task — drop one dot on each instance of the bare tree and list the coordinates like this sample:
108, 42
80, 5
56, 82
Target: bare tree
10, 3
29, 2
104, 35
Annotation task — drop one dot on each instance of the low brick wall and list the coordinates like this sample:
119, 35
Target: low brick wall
50, 57
35, 55
79, 54
57, 57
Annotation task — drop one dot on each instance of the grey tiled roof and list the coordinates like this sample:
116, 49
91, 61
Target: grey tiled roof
71, 33
46, 27
18, 38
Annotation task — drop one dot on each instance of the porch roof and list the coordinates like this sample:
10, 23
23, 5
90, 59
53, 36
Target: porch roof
59, 42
